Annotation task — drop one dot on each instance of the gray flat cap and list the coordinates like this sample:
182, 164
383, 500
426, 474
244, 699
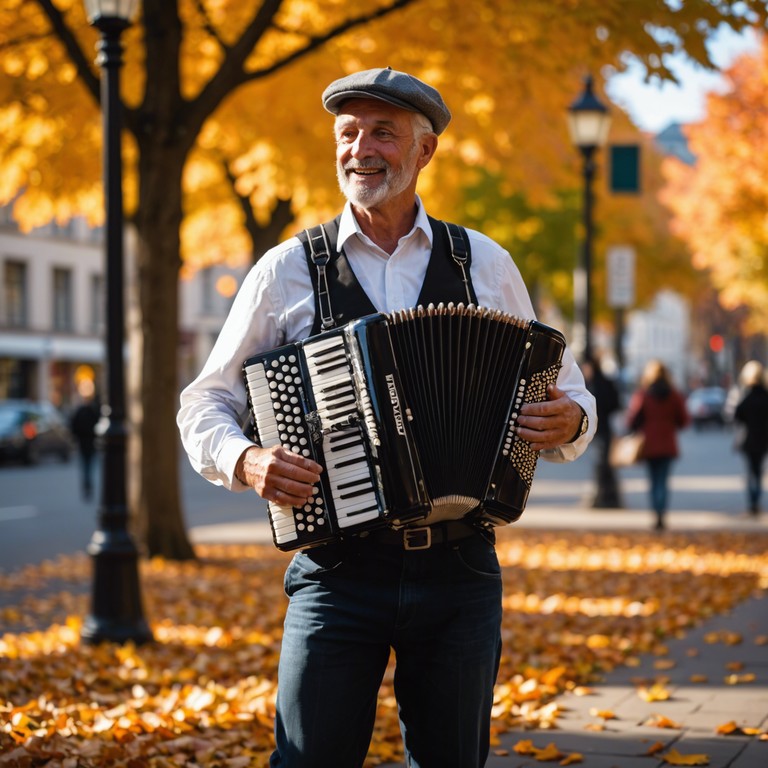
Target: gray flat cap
397, 88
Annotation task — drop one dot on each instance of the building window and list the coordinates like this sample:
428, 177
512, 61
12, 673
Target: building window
15, 286
62, 299
97, 304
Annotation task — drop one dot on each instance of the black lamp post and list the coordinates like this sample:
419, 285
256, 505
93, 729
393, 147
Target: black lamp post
588, 121
116, 610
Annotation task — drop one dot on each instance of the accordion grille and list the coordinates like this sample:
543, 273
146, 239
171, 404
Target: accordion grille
460, 367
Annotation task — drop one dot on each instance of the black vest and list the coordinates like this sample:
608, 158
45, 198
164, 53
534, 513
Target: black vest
339, 297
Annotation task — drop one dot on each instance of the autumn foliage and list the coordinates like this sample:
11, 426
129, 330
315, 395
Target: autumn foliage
720, 203
576, 606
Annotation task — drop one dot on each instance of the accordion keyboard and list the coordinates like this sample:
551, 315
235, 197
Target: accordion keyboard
346, 461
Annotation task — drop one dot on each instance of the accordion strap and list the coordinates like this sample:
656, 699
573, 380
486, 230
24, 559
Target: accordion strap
457, 237
320, 253
339, 297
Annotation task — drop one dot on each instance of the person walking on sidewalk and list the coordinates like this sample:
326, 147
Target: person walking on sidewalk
83, 427
751, 415
608, 400
351, 601
657, 410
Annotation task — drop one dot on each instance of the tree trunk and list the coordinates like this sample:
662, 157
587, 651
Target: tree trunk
154, 479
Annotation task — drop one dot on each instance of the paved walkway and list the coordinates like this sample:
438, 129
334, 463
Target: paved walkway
696, 710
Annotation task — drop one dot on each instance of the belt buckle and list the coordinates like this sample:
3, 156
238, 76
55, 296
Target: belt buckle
417, 538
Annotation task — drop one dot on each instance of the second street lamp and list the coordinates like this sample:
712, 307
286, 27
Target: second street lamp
588, 122
116, 611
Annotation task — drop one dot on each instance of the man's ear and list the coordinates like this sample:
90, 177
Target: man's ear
428, 146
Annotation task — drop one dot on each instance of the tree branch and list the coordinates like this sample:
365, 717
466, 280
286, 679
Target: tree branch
208, 25
262, 238
316, 42
19, 41
232, 71
69, 41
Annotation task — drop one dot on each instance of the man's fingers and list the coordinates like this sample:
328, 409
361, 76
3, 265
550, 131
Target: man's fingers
299, 467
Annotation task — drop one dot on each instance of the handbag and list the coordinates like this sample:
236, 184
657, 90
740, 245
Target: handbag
627, 449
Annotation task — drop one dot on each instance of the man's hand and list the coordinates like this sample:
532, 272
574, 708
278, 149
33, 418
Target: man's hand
550, 423
278, 475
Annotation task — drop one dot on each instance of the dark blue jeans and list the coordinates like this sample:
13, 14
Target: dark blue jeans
658, 474
439, 609
754, 479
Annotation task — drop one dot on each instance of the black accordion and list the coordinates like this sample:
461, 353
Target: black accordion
412, 415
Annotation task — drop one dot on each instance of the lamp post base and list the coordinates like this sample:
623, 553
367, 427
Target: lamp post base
607, 494
116, 613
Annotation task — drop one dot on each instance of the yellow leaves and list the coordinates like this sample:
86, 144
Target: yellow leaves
205, 691
656, 692
673, 757
723, 636
736, 679
731, 728
661, 721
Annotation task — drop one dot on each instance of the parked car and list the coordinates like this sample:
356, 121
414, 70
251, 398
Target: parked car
707, 406
30, 430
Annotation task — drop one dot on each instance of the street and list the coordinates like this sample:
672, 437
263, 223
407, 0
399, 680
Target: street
42, 514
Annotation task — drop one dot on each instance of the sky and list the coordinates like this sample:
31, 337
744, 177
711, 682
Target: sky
653, 106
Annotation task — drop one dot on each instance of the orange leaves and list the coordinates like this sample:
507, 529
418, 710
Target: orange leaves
660, 721
655, 692
673, 757
548, 754
731, 728
719, 203
205, 691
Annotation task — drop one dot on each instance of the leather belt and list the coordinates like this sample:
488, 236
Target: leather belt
422, 537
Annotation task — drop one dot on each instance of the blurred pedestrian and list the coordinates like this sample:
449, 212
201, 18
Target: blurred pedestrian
608, 401
751, 417
83, 427
657, 410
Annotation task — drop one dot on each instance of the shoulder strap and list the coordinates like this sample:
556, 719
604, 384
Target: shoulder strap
319, 243
461, 252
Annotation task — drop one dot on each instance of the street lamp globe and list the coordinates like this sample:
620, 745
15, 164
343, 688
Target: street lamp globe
588, 119
123, 10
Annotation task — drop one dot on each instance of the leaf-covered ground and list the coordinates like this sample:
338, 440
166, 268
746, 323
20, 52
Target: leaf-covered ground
576, 606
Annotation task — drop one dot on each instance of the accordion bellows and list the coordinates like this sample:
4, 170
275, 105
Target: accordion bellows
412, 414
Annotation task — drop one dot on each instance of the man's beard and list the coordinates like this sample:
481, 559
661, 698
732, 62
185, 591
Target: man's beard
389, 185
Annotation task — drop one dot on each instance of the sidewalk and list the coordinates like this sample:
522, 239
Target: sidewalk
696, 709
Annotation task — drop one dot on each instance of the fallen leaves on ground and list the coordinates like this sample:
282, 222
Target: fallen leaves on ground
673, 757
576, 606
661, 721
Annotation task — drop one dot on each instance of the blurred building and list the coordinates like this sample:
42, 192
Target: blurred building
661, 332
52, 310
204, 301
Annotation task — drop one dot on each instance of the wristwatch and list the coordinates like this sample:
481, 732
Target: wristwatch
583, 426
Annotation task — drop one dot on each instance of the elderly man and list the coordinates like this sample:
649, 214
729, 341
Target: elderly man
352, 601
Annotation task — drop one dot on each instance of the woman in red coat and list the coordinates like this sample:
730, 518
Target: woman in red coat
658, 410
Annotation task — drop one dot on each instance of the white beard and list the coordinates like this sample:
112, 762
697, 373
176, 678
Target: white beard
390, 185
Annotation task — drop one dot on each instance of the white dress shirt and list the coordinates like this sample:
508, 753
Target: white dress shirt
275, 305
